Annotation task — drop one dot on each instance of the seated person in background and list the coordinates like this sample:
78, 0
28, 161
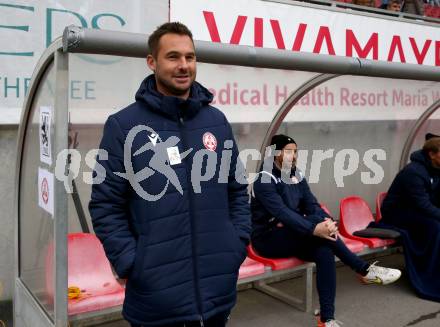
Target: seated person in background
415, 7
288, 221
412, 206
366, 3
392, 5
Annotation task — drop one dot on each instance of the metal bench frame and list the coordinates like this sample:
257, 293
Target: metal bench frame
303, 303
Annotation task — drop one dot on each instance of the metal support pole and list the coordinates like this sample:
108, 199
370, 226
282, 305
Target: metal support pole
92, 41
60, 195
27, 310
282, 112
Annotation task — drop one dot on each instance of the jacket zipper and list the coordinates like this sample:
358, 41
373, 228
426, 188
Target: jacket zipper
193, 229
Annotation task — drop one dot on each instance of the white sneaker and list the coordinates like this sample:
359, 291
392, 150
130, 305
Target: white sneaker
330, 323
380, 275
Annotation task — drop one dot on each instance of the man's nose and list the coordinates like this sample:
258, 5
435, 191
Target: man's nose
183, 63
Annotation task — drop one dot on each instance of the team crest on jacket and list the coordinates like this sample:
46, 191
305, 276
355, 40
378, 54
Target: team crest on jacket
209, 141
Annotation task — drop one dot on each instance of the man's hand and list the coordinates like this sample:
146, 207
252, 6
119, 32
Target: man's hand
327, 229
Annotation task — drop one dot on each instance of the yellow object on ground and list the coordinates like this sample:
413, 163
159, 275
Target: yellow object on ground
73, 292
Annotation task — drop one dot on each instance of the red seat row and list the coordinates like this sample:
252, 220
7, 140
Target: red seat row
99, 289
432, 11
90, 271
274, 264
250, 268
355, 214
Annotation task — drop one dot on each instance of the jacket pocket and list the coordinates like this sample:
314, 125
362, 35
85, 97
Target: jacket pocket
240, 247
136, 271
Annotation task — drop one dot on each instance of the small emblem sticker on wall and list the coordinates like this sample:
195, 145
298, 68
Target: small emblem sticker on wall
45, 190
45, 135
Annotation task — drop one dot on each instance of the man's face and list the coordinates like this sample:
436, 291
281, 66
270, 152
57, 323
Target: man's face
394, 6
288, 156
174, 65
435, 159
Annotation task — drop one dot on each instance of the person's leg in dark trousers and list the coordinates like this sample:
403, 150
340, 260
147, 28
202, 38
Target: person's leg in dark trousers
346, 256
282, 242
325, 278
323, 252
218, 320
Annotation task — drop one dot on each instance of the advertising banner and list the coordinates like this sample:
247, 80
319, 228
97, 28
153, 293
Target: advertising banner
27, 27
257, 93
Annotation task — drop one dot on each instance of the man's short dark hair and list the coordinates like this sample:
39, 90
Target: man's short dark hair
432, 145
167, 28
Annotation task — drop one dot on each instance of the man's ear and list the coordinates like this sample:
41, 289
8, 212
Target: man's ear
151, 62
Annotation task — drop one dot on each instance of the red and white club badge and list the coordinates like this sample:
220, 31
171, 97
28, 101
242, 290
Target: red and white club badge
209, 141
45, 191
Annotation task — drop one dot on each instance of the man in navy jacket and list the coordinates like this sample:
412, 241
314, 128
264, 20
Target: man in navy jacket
171, 215
412, 206
287, 220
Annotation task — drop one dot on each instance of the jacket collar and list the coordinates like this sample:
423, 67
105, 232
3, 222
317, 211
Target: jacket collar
421, 158
173, 107
295, 175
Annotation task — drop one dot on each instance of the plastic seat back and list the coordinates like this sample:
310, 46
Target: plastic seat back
274, 264
353, 245
379, 200
355, 214
250, 268
89, 268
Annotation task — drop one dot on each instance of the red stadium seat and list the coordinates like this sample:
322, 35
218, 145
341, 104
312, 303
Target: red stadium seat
274, 264
250, 268
430, 11
90, 271
427, 10
379, 199
353, 245
355, 215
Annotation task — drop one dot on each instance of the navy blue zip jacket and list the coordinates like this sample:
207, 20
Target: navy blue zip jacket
415, 190
412, 207
181, 253
292, 204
